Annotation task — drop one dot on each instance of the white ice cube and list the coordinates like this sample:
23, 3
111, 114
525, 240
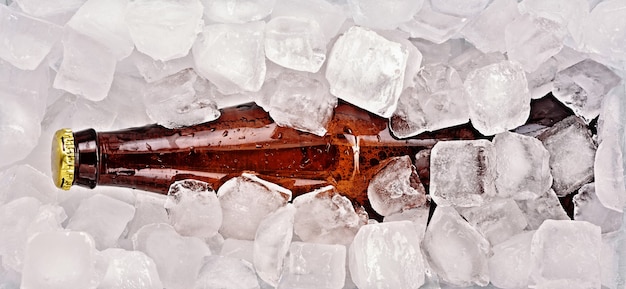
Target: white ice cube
43, 8
239, 249
25, 181
418, 216
395, 187
544, 207
570, 13
433, 25
153, 70
295, 43
330, 16
486, 31
129, 270
193, 209
238, 11
271, 243
497, 219
385, 15
226, 272
149, 208
603, 30
314, 266
587, 207
510, 264
533, 40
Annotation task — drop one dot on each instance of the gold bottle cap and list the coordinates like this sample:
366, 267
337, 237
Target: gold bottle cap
63, 156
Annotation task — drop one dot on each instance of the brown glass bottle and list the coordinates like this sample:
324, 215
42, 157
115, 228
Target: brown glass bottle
245, 139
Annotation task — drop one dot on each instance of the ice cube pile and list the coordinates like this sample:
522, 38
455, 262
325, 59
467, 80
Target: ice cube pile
493, 212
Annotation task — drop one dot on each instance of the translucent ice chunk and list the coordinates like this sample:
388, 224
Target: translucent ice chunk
238, 11
566, 251
313, 266
295, 43
395, 187
193, 209
129, 270
240, 249
367, 70
329, 16
486, 31
149, 208
297, 94
108, 28
455, 250
395, 247
533, 40
178, 259
418, 216
544, 207
462, 173
102, 217
271, 243
522, 166
60, 260
582, 87
509, 266
25, 181
572, 154
470, 59
25, 41
540, 81
41, 8
245, 201
437, 101
87, 68
153, 70
226, 272
602, 32
241, 65
169, 36
432, 25
459, 7
570, 13
497, 220
587, 207
182, 99
325, 216
383, 15
499, 99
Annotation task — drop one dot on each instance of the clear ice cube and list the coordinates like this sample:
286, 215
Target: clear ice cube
469, 59
367, 70
572, 154
432, 25
169, 36
328, 15
587, 207
295, 43
499, 99
385, 15
437, 101
497, 219
395, 187
178, 259
486, 31
153, 70
462, 173
149, 208
540, 81
239, 249
509, 266
241, 62
603, 30
461, 8
314, 266
395, 247
455, 250
238, 11
226, 272
569, 13
271, 243
582, 87
544, 207
25, 181
103, 217
25, 41
325, 216
418, 216
43, 8
193, 209
129, 270
245, 201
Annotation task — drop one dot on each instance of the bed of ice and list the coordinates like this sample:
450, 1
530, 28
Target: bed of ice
425, 64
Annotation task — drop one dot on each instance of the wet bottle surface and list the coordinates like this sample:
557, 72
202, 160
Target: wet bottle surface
244, 139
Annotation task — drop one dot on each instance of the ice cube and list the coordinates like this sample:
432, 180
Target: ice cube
497, 220
241, 65
566, 251
178, 259
26, 41
572, 154
271, 243
87, 68
129, 270
522, 166
383, 15
193, 209
297, 94
455, 250
240, 249
153, 70
245, 201
610, 260
603, 30
102, 217
461, 8
587, 207
486, 31
60, 260
313, 266
544, 207
25, 181
367, 70
180, 100
570, 14
169, 36
540, 81
432, 25
149, 208
533, 40
418, 216
226, 272
437, 101
470, 59
42, 8
395, 187
462, 173
109, 28
328, 15
325, 216
238, 11
395, 247
295, 43
509, 266
499, 99
582, 87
